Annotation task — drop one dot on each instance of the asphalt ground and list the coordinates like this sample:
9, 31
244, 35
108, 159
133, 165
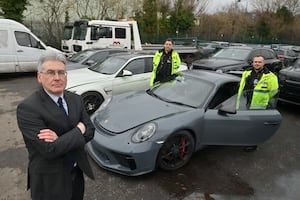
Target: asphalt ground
272, 172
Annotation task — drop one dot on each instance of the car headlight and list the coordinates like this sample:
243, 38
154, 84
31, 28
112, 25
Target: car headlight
219, 71
144, 133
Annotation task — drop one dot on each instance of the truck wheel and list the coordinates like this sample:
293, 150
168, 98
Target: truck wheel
92, 101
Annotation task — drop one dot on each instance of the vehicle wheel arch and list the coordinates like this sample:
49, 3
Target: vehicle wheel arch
91, 107
189, 134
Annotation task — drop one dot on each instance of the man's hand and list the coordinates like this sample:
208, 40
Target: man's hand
81, 126
47, 135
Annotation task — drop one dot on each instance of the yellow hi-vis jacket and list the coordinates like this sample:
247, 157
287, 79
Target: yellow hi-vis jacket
176, 62
266, 88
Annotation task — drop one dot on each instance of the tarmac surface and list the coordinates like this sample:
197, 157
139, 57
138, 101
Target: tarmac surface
272, 172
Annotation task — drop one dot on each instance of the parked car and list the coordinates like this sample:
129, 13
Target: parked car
238, 58
162, 127
287, 55
289, 84
118, 73
90, 57
209, 48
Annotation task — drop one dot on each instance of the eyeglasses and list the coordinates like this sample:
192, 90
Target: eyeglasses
52, 73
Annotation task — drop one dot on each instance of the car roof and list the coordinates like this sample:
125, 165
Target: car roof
211, 76
133, 54
107, 49
247, 47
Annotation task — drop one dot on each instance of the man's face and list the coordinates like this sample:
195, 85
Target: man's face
258, 63
168, 46
53, 77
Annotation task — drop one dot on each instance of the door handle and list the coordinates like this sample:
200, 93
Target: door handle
271, 123
20, 50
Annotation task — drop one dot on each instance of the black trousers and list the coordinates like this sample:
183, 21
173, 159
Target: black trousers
77, 184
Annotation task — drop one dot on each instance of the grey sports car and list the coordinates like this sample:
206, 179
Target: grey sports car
138, 132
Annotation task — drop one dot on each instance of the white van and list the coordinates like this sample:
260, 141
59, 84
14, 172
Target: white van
20, 49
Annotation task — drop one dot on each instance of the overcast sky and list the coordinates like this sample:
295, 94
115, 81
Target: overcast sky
218, 5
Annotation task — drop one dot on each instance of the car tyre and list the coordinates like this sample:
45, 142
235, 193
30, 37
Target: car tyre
176, 151
92, 101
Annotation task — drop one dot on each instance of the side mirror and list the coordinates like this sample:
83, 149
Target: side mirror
127, 73
227, 109
90, 62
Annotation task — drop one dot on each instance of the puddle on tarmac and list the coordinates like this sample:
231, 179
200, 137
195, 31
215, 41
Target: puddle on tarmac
204, 177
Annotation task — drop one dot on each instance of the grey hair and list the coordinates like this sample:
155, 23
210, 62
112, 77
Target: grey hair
50, 55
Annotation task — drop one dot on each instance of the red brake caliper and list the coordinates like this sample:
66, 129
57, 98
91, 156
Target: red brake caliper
182, 149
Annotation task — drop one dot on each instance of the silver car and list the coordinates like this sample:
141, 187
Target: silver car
138, 132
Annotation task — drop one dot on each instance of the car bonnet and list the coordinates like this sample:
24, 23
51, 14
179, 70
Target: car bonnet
83, 76
216, 63
130, 110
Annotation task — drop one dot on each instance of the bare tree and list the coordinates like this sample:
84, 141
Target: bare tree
198, 6
273, 5
49, 23
106, 9
95, 9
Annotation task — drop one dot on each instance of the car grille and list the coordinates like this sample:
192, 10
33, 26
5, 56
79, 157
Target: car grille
65, 48
111, 157
124, 160
77, 48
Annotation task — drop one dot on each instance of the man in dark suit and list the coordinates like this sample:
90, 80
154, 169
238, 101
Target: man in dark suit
55, 134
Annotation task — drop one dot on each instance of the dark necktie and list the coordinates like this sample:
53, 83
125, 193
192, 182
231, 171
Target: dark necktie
61, 106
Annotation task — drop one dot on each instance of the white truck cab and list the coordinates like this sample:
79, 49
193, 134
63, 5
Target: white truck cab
84, 34
20, 49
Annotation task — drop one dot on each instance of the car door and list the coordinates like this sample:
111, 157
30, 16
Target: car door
140, 69
28, 51
245, 127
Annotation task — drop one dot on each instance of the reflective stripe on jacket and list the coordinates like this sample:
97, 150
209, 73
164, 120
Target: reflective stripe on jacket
266, 88
176, 62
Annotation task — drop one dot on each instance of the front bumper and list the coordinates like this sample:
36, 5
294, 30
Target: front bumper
119, 154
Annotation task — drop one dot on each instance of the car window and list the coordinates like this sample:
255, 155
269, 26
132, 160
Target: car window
268, 54
120, 33
223, 93
109, 66
25, 39
187, 91
98, 57
231, 53
136, 66
149, 64
240, 102
80, 56
291, 53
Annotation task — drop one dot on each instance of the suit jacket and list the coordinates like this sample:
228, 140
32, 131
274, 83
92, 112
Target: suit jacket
49, 162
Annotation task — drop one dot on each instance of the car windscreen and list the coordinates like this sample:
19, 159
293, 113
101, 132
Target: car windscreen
297, 63
81, 56
109, 66
184, 91
231, 53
